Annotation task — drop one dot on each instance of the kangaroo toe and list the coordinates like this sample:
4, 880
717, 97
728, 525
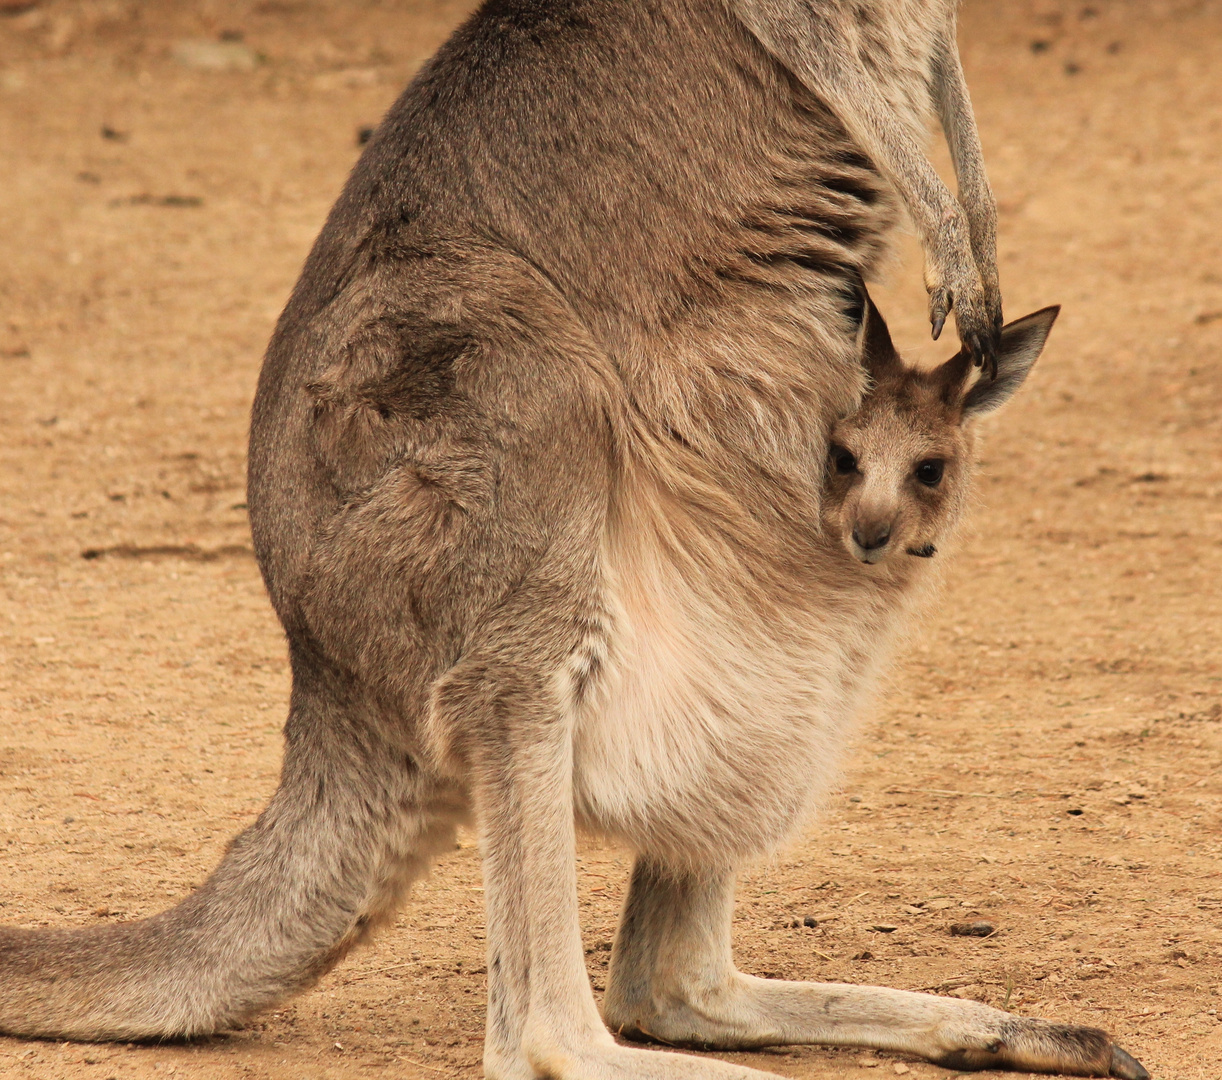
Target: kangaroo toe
1126, 1066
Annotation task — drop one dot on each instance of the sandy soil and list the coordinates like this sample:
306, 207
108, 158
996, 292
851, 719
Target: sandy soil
1048, 755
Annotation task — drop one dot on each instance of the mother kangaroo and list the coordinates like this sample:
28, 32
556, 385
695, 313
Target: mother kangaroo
537, 468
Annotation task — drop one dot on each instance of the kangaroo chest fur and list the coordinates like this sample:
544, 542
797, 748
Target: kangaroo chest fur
714, 707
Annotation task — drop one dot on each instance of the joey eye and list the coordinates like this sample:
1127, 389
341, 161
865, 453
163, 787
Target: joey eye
929, 472
844, 461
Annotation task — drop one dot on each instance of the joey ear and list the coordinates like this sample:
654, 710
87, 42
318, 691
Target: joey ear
878, 355
1022, 341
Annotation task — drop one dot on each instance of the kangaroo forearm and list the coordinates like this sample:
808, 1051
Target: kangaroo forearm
810, 43
962, 137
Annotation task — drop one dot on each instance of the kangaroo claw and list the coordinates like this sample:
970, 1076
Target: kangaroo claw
940, 302
981, 343
984, 355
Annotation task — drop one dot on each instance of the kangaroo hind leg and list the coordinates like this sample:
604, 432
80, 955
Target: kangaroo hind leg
672, 979
542, 1019
352, 822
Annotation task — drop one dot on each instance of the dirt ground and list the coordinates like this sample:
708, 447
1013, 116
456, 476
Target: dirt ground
1047, 756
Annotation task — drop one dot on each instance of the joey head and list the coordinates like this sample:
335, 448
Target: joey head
900, 465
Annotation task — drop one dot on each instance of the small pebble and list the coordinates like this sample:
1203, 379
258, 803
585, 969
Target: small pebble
884, 928
972, 929
809, 920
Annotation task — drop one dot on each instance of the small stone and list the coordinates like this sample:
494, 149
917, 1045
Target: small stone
884, 928
972, 929
810, 921
900, 1068
865, 955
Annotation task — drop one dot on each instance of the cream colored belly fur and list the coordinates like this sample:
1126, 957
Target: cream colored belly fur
708, 728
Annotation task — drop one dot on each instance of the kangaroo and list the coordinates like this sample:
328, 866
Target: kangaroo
541, 491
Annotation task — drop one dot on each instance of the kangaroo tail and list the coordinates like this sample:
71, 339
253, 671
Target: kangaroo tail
352, 823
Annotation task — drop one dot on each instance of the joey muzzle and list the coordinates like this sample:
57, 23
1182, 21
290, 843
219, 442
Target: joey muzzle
870, 540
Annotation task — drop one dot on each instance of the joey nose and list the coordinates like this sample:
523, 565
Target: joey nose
872, 537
